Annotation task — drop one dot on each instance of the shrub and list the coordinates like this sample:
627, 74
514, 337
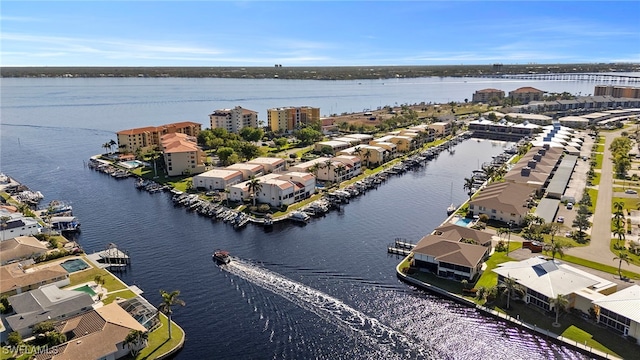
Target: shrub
14, 338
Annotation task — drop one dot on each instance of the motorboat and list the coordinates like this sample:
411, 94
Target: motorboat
221, 257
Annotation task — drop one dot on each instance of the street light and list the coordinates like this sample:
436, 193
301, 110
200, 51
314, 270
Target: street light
509, 236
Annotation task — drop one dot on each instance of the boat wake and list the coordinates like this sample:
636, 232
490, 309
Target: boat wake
330, 309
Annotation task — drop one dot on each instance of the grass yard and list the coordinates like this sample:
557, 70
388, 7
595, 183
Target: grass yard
633, 258
596, 179
598, 159
611, 269
159, 342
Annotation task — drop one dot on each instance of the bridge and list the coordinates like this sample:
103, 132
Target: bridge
595, 77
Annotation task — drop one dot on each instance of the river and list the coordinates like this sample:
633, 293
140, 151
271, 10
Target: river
326, 290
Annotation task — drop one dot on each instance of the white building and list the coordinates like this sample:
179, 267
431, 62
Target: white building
233, 120
277, 189
18, 225
217, 179
621, 311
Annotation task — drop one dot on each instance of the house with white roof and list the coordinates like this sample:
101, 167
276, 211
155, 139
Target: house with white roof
217, 179
269, 164
546, 279
46, 303
18, 225
620, 311
277, 189
248, 170
334, 145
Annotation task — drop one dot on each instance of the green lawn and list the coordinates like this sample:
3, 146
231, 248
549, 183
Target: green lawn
583, 337
159, 343
127, 294
599, 158
596, 179
490, 278
111, 283
629, 203
611, 269
600, 148
633, 258
593, 194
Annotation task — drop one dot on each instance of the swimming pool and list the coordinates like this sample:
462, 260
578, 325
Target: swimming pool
131, 164
87, 289
74, 265
464, 222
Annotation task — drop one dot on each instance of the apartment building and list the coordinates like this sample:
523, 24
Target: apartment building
148, 138
617, 91
487, 95
291, 118
525, 95
233, 120
182, 155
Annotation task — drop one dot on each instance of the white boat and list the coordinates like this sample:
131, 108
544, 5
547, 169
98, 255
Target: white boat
451, 209
299, 216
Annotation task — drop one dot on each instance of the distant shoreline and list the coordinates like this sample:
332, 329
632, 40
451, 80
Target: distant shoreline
315, 73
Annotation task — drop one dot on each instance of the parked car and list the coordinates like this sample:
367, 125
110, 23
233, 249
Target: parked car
560, 219
630, 191
569, 205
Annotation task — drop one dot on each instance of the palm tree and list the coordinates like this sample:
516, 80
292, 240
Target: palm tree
327, 166
559, 302
254, 187
618, 214
3, 223
622, 256
314, 169
367, 156
509, 287
619, 231
112, 143
340, 170
358, 151
169, 299
468, 186
556, 247
136, 340
106, 146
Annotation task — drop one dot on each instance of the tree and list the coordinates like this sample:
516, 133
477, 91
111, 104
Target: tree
112, 143
106, 146
622, 256
582, 223
308, 135
510, 287
14, 338
254, 187
468, 186
224, 153
619, 231
559, 303
556, 248
280, 142
340, 169
135, 341
169, 299
98, 279
367, 156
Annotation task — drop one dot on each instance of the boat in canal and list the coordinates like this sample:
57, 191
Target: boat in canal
221, 257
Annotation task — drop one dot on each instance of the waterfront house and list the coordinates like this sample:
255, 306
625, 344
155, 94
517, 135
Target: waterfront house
182, 155
620, 311
537, 119
505, 201
45, 303
21, 248
16, 278
248, 170
18, 225
449, 258
546, 279
376, 154
97, 334
464, 234
363, 138
403, 143
574, 122
233, 120
217, 179
148, 138
442, 128
277, 189
269, 164
334, 145
501, 130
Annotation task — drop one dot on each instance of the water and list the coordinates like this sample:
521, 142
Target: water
326, 290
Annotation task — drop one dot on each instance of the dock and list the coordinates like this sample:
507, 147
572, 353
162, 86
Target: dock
111, 258
400, 247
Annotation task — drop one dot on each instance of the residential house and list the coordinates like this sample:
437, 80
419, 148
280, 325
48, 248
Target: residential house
620, 311
18, 225
97, 334
16, 278
442, 128
546, 279
21, 248
449, 258
504, 201
217, 179
269, 164
248, 170
334, 145
45, 304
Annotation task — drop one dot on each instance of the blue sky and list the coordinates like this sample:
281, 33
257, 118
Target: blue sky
316, 33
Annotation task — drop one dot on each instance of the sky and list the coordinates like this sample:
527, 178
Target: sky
316, 33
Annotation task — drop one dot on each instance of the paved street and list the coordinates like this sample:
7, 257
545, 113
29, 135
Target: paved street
598, 248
